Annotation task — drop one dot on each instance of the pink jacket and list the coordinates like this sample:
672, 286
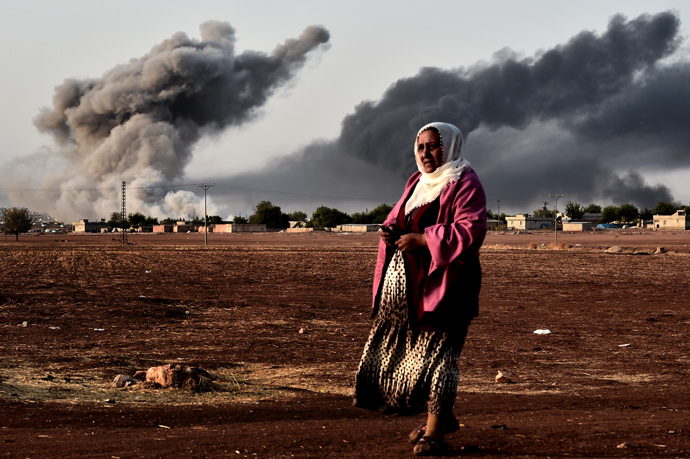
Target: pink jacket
457, 236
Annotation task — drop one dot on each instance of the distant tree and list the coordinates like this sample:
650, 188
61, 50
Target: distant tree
116, 221
327, 217
543, 213
270, 215
380, 213
298, 216
592, 209
239, 220
136, 219
169, 221
17, 220
664, 208
574, 211
628, 213
646, 214
609, 214
361, 217
214, 219
151, 220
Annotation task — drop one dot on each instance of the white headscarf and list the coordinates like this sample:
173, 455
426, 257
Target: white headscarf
452, 166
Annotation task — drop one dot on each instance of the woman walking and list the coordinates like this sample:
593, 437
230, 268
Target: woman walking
426, 290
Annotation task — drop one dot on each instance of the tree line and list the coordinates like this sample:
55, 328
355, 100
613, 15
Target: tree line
265, 212
272, 216
19, 220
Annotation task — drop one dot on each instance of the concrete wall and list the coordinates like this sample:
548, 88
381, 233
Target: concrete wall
577, 226
162, 228
238, 228
358, 228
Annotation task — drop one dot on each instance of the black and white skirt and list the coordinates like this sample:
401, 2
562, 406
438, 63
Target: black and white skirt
404, 370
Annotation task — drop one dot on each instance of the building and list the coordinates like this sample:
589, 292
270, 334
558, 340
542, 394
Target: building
494, 225
236, 228
85, 226
577, 226
678, 221
524, 222
358, 228
594, 218
164, 228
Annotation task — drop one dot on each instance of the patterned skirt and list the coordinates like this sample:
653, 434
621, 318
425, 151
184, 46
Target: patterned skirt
405, 370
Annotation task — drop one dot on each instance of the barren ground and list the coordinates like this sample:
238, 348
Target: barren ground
75, 311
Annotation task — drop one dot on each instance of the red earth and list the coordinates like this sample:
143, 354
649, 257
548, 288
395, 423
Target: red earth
280, 320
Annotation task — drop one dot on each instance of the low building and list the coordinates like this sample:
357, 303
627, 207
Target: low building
495, 225
164, 228
595, 218
237, 228
678, 221
85, 226
525, 222
358, 228
184, 227
577, 226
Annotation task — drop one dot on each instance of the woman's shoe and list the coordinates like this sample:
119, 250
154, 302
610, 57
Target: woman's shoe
429, 446
417, 433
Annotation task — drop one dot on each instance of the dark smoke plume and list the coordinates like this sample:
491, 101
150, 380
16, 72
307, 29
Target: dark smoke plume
598, 89
586, 119
140, 120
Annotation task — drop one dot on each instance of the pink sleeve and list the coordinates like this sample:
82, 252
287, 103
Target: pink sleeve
462, 222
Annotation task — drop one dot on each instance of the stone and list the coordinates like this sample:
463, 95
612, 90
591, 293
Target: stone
614, 249
124, 381
176, 375
502, 377
660, 250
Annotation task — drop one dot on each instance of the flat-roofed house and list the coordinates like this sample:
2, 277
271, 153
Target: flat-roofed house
525, 222
678, 221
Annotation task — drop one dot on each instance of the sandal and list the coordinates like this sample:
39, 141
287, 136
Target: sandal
429, 446
449, 426
417, 433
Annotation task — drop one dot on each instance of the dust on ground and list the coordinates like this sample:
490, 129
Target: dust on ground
76, 310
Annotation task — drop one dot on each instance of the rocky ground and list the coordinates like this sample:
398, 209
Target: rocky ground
280, 320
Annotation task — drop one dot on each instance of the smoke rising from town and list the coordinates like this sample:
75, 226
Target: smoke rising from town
587, 119
139, 121
591, 119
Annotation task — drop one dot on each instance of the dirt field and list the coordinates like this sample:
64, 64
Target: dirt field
75, 311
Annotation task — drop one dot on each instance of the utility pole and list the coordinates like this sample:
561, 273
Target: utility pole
124, 213
498, 205
555, 214
205, 187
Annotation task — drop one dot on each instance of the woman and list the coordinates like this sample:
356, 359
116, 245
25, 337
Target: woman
426, 290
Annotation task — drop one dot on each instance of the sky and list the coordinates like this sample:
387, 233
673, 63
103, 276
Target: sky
316, 103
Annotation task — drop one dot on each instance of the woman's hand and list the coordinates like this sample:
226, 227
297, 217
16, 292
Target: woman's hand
387, 237
411, 241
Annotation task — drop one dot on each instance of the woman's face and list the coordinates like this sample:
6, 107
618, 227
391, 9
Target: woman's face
429, 150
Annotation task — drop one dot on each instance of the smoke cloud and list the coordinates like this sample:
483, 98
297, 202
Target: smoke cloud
560, 122
586, 119
139, 121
